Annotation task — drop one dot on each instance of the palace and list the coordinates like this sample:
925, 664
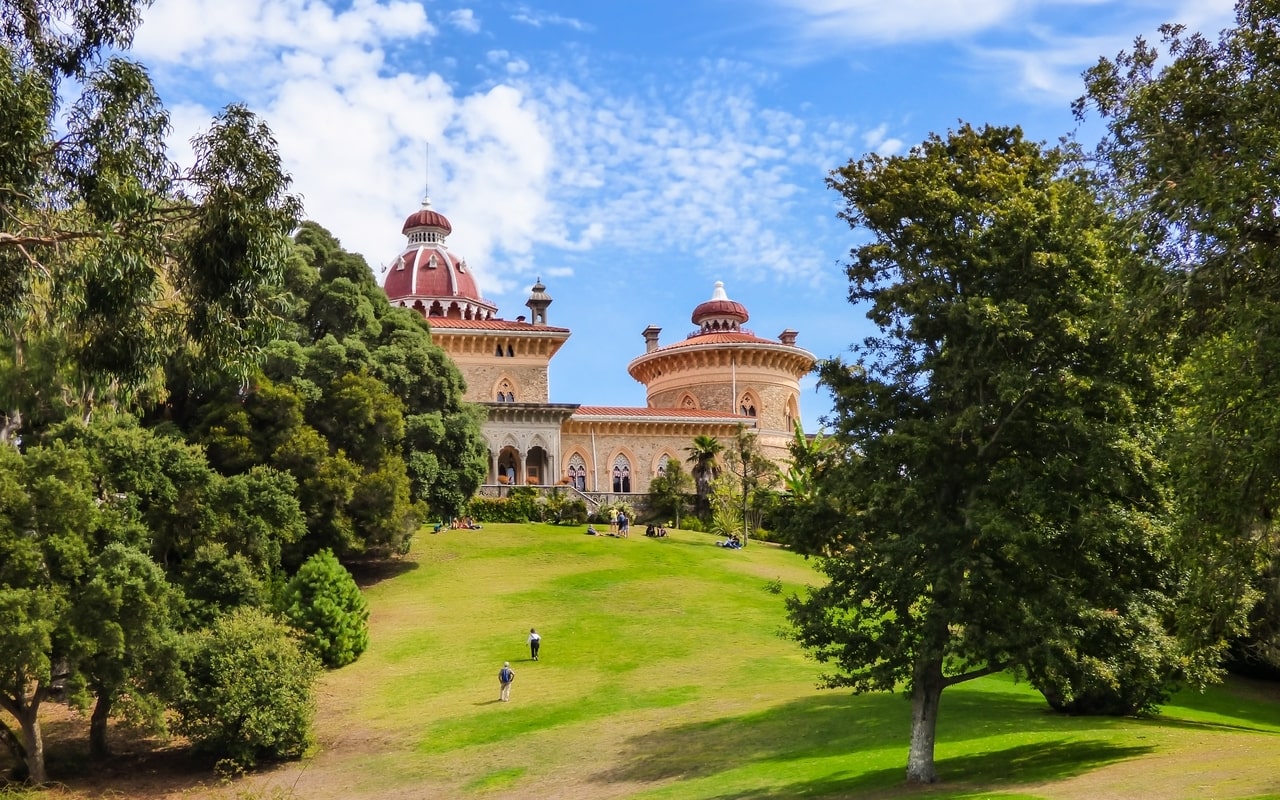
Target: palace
719, 377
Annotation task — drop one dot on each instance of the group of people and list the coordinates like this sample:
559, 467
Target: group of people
464, 523
731, 542
620, 525
507, 676
655, 530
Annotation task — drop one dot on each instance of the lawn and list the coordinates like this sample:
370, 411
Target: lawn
663, 675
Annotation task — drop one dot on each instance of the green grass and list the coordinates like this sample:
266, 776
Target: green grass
663, 675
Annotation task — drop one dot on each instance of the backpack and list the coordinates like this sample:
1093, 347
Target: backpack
506, 675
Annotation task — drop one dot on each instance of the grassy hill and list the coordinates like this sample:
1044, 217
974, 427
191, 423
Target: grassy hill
663, 675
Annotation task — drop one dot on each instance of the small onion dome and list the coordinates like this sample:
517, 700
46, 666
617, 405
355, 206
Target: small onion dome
538, 294
720, 313
426, 217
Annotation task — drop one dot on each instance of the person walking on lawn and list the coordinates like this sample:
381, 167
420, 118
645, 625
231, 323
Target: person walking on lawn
505, 676
535, 642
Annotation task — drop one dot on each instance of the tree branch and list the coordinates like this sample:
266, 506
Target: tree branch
989, 669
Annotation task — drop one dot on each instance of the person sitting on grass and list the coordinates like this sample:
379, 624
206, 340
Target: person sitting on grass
591, 531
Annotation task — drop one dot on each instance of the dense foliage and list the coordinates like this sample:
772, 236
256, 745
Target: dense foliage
112, 261
1190, 160
357, 405
991, 498
248, 696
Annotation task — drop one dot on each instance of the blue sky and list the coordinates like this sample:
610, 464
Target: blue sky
629, 153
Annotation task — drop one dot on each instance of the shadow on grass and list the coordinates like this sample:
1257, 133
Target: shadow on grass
964, 776
371, 572
851, 729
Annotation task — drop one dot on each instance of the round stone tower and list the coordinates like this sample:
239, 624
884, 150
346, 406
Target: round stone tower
722, 366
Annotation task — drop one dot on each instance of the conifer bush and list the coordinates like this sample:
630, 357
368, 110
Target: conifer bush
326, 606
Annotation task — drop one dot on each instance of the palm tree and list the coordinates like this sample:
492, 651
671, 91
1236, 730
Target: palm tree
704, 456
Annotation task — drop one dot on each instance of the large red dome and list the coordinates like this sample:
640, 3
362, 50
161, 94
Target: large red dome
428, 277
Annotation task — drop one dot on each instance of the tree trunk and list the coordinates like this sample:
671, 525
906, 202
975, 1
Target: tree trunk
926, 693
98, 727
11, 741
30, 721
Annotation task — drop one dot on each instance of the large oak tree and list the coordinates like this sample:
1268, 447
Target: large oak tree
989, 499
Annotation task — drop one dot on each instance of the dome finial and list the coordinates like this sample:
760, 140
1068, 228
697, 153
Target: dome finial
719, 293
426, 180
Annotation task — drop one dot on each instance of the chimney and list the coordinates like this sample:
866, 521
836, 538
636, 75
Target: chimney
650, 335
788, 337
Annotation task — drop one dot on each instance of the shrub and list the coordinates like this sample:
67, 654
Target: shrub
324, 603
488, 509
524, 500
692, 524
249, 694
573, 512
766, 535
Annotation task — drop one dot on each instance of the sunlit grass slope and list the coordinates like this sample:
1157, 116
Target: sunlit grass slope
662, 675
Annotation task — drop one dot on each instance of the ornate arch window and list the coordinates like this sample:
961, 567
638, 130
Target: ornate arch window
506, 394
621, 474
687, 400
578, 472
748, 404
660, 469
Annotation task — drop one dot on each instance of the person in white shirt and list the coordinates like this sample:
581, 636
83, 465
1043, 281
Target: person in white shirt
535, 642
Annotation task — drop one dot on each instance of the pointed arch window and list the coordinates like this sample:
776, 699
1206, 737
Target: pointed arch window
622, 475
578, 472
506, 394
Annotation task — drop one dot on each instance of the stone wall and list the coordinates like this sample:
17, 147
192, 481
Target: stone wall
482, 376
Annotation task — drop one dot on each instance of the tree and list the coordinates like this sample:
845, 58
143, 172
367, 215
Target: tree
668, 491
753, 474
990, 490
48, 518
323, 602
249, 694
1190, 160
704, 458
110, 260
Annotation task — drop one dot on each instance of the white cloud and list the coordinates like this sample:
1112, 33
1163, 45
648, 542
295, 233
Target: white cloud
531, 170
877, 139
872, 21
200, 32
1048, 69
464, 19
538, 19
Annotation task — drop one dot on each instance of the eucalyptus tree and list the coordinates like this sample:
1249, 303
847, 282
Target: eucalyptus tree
989, 499
112, 260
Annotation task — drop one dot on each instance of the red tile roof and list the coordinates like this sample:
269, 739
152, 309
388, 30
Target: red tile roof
448, 323
625, 411
725, 337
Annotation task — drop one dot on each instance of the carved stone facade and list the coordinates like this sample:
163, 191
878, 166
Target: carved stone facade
720, 377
